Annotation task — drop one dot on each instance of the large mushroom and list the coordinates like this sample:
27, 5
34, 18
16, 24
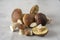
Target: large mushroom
28, 19
16, 14
40, 18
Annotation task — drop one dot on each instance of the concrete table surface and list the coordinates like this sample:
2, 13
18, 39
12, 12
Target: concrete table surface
50, 8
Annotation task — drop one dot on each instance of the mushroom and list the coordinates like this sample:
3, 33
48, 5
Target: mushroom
40, 31
16, 14
34, 10
40, 18
28, 19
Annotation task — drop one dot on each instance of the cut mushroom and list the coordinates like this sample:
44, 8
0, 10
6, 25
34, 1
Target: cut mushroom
42, 31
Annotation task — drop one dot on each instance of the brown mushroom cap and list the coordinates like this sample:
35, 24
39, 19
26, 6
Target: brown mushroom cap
28, 19
26, 32
16, 14
21, 26
41, 19
34, 10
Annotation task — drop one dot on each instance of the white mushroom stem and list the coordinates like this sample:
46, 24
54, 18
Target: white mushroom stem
31, 33
39, 26
33, 24
20, 32
13, 26
19, 21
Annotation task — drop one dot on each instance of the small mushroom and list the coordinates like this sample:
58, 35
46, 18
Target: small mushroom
34, 10
13, 27
27, 32
21, 26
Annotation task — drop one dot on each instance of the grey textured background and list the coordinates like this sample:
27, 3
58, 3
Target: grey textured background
49, 7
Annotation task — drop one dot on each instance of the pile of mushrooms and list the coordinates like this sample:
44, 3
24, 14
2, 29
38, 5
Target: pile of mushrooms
33, 23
